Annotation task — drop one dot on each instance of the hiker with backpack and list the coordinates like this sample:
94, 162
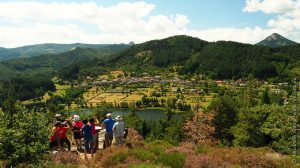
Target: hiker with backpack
93, 122
76, 126
118, 129
88, 137
55, 136
108, 126
62, 130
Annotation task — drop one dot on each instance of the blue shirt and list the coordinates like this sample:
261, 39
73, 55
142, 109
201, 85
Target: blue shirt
109, 123
87, 132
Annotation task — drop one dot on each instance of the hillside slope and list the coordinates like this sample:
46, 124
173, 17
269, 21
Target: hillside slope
161, 53
276, 40
222, 59
50, 64
49, 48
188, 55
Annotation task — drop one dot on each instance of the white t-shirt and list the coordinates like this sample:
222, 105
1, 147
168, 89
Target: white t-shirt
118, 128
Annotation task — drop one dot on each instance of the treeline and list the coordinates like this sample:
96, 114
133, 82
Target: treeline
25, 88
217, 60
50, 64
167, 128
173, 103
253, 118
161, 53
31, 77
226, 60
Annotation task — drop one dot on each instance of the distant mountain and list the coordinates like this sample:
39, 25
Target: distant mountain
183, 54
48, 48
221, 60
276, 40
162, 53
50, 64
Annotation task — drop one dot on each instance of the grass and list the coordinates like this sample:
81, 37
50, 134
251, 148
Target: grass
116, 73
97, 95
200, 149
145, 165
158, 147
60, 91
62, 87
205, 104
142, 154
174, 160
116, 159
157, 154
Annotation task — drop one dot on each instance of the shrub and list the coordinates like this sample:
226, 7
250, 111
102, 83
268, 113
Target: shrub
115, 159
200, 149
187, 149
142, 154
200, 129
157, 147
174, 160
110, 157
144, 166
249, 157
201, 161
23, 138
65, 158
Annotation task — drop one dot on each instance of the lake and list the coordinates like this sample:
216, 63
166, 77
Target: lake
150, 114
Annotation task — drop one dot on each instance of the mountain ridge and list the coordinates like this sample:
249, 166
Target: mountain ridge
273, 41
47, 48
183, 54
276, 40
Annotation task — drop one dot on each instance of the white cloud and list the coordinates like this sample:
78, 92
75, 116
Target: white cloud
270, 6
24, 23
50, 22
287, 12
244, 35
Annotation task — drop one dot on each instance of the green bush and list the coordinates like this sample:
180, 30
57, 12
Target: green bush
23, 137
200, 149
157, 147
116, 159
51, 165
142, 154
174, 160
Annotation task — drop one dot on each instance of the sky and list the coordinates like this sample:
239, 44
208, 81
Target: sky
121, 21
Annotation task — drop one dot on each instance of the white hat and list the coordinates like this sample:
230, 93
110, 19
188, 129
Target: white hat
119, 118
57, 115
76, 118
108, 115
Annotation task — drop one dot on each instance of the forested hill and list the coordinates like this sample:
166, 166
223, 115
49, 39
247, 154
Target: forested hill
48, 64
217, 60
161, 53
48, 48
222, 59
31, 77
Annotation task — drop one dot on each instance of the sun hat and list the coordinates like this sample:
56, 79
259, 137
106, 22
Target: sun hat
76, 118
119, 118
57, 115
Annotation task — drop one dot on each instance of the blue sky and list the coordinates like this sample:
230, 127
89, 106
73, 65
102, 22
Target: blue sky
122, 21
202, 13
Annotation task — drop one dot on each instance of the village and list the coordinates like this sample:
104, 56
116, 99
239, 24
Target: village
118, 90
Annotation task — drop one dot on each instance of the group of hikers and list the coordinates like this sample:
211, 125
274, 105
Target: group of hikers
88, 131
